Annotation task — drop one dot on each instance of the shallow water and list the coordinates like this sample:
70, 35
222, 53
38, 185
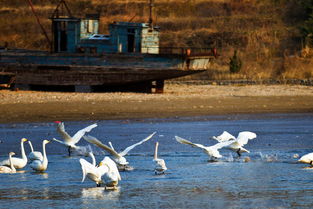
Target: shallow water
272, 179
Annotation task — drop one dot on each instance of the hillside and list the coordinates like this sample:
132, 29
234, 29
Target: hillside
265, 33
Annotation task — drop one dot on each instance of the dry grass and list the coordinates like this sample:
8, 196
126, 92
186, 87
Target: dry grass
269, 46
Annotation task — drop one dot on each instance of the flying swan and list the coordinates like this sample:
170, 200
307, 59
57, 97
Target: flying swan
41, 165
18, 163
237, 143
160, 166
34, 155
69, 141
10, 169
211, 151
117, 157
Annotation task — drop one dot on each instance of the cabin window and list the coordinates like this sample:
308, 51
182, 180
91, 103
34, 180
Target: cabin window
131, 43
131, 40
90, 26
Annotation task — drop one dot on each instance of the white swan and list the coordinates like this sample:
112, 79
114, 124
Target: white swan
34, 155
93, 172
211, 151
308, 158
237, 143
41, 165
93, 162
111, 145
18, 163
117, 157
225, 136
71, 141
11, 169
112, 175
160, 166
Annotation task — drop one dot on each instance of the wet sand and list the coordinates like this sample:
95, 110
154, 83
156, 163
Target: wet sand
178, 100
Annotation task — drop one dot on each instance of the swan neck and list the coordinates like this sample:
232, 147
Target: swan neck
93, 159
44, 152
11, 163
23, 151
31, 146
156, 150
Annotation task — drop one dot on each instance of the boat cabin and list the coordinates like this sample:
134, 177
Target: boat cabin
74, 35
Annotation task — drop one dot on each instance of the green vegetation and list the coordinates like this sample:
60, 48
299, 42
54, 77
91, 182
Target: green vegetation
235, 63
274, 37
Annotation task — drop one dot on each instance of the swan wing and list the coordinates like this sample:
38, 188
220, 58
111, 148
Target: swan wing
306, 158
36, 164
112, 167
5, 169
160, 164
61, 142
185, 141
134, 145
95, 141
87, 168
17, 162
61, 130
79, 134
244, 136
225, 136
220, 145
35, 155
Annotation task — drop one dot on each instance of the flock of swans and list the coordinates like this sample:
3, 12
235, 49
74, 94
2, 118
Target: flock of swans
106, 172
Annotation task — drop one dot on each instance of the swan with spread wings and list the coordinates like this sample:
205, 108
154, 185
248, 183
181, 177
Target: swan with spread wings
211, 151
105, 173
236, 143
71, 141
118, 157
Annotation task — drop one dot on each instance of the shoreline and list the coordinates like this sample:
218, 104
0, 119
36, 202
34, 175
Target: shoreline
178, 100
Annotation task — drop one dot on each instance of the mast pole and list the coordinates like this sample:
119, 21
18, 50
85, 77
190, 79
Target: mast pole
150, 13
39, 23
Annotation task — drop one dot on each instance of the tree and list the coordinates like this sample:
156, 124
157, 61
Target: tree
307, 28
235, 63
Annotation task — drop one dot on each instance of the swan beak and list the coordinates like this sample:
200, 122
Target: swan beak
24, 140
100, 164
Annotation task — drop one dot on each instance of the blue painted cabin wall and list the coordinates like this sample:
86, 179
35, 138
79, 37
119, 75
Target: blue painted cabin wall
73, 36
145, 39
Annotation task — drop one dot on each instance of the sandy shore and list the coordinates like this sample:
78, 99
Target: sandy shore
178, 100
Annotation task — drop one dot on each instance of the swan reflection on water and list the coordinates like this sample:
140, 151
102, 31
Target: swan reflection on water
43, 174
100, 193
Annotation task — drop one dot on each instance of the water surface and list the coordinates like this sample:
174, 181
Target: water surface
272, 179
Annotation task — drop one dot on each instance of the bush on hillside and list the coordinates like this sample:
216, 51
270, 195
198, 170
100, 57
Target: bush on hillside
235, 63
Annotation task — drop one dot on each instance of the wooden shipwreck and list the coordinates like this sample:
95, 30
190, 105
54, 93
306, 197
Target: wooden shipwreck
127, 59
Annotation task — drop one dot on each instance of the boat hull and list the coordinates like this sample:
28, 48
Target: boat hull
44, 69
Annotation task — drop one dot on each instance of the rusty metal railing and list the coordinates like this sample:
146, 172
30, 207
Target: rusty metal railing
186, 51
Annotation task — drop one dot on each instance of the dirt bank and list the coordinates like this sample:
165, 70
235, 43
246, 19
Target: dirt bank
178, 100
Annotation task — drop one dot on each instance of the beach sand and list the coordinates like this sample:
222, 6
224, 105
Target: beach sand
178, 100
